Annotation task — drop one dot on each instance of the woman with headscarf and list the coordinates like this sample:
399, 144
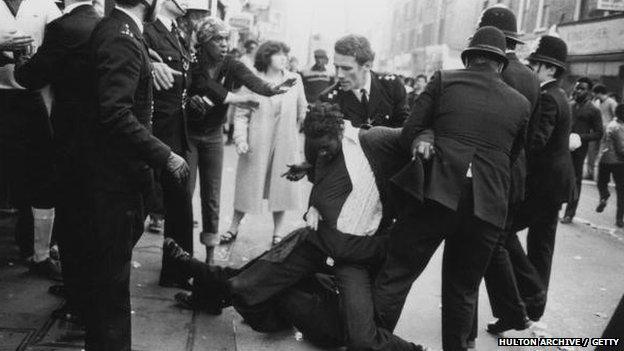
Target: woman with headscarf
213, 77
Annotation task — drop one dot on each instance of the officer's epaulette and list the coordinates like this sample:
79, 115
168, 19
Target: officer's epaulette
329, 94
125, 30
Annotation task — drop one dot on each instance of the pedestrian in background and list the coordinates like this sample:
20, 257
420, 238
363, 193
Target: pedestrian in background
251, 47
419, 85
606, 105
587, 125
317, 78
267, 140
612, 163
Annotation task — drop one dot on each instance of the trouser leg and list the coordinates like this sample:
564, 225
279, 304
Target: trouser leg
414, 239
604, 176
357, 311
541, 242
578, 158
618, 176
210, 159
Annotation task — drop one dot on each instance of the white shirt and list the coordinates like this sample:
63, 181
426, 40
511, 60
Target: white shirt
367, 87
136, 20
166, 21
361, 213
69, 8
31, 19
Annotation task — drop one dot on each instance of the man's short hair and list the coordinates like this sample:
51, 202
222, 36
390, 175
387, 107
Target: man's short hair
587, 81
357, 46
600, 89
421, 76
249, 43
265, 51
323, 119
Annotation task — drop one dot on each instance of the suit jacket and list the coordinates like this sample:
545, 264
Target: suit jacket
552, 174
62, 61
478, 122
230, 75
519, 77
125, 151
169, 118
387, 102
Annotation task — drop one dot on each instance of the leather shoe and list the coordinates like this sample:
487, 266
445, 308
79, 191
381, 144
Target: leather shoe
566, 220
188, 301
47, 268
601, 205
179, 259
167, 282
501, 326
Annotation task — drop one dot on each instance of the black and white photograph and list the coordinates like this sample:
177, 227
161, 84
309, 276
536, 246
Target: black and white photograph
341, 175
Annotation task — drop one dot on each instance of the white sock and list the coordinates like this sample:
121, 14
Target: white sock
43, 223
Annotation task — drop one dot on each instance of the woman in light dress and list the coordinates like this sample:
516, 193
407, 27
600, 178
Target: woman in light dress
267, 140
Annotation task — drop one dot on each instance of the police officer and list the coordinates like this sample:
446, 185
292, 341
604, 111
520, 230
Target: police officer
124, 154
364, 96
62, 62
171, 82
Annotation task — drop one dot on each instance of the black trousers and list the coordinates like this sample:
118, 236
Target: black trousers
117, 226
469, 243
255, 286
578, 159
615, 328
605, 170
26, 151
178, 207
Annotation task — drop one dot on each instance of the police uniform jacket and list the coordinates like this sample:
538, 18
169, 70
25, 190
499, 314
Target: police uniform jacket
62, 61
169, 118
387, 102
519, 77
125, 151
479, 124
552, 175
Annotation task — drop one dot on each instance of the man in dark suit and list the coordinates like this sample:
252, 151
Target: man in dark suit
364, 96
550, 183
479, 124
62, 62
169, 126
123, 155
587, 124
346, 223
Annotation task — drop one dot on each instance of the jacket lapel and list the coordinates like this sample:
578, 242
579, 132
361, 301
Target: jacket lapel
175, 42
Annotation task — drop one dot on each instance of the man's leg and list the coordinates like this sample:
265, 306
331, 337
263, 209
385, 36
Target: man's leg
414, 239
467, 252
578, 159
118, 223
358, 312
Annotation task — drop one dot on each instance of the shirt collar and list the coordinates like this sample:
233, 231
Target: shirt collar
544, 83
166, 21
138, 21
351, 133
367, 85
71, 7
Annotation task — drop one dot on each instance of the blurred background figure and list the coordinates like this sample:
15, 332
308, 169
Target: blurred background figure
293, 64
606, 105
612, 163
317, 78
419, 86
267, 140
251, 46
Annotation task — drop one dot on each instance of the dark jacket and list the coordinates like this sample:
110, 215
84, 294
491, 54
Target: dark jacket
125, 151
586, 121
613, 143
478, 122
519, 77
387, 104
62, 61
230, 75
552, 175
169, 118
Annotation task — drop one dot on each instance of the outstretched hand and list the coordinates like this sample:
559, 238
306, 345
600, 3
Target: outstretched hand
297, 172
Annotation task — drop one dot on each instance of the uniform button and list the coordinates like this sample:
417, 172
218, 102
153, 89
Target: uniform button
169, 58
329, 261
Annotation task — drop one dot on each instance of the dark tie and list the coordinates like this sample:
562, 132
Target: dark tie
364, 102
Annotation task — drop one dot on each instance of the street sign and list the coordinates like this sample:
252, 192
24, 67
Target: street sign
610, 5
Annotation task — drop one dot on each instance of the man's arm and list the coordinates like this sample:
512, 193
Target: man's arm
596, 127
539, 132
37, 71
421, 116
118, 65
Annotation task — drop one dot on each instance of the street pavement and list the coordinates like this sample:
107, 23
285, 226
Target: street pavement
585, 288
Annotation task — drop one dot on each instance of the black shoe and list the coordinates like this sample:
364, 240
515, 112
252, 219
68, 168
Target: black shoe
535, 306
168, 282
54, 253
68, 314
47, 268
501, 326
566, 220
601, 205
176, 256
58, 290
619, 223
188, 301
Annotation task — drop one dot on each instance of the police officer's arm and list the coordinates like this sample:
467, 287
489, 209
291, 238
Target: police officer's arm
400, 108
418, 123
37, 71
540, 131
118, 65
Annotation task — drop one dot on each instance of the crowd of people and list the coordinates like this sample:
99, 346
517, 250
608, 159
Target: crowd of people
139, 100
